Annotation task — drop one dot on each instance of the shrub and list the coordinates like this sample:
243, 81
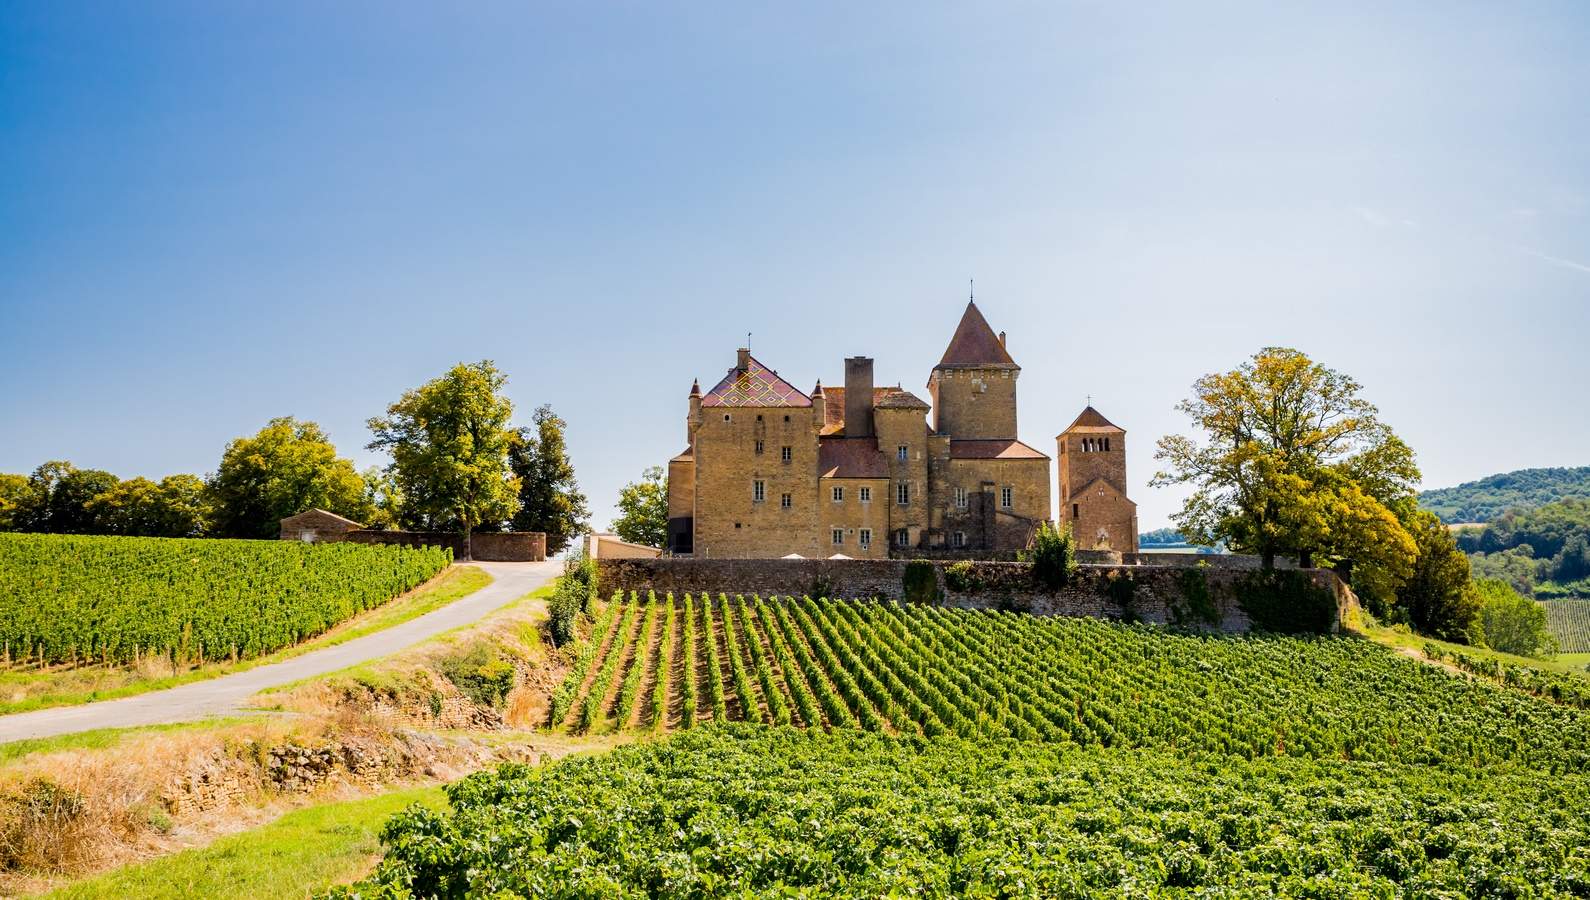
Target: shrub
1512, 623
480, 674
962, 577
920, 583
1286, 602
1197, 604
1122, 590
1053, 557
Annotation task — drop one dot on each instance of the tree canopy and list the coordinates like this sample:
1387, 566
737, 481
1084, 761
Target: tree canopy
174, 507
1490, 497
449, 442
288, 467
549, 498
643, 509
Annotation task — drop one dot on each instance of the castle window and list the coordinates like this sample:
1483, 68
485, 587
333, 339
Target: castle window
902, 452
1006, 497
839, 494
759, 448
839, 536
902, 494
725, 417
902, 537
866, 538
1074, 513
786, 418
958, 539
758, 491
960, 497
785, 501
786, 454
759, 417
1106, 443
866, 495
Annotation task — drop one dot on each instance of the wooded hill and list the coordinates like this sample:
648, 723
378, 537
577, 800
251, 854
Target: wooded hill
1490, 497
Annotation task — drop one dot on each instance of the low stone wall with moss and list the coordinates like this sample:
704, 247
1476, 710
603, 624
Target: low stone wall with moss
1196, 597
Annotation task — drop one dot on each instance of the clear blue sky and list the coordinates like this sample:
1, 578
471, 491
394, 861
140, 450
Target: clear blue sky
211, 214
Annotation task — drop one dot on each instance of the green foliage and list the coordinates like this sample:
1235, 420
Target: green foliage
481, 674
931, 670
66, 598
1439, 595
1512, 623
572, 597
643, 509
549, 499
1569, 622
288, 467
961, 577
980, 819
15, 493
138, 507
1285, 601
1563, 689
1197, 605
449, 442
920, 583
1489, 498
1122, 591
1053, 557
1293, 461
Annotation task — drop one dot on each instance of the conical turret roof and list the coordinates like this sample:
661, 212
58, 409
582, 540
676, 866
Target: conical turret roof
975, 345
1091, 420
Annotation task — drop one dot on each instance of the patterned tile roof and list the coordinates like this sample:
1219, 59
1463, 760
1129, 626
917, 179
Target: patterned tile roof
755, 385
975, 345
992, 449
840, 457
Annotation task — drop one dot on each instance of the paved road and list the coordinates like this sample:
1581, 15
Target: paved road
225, 695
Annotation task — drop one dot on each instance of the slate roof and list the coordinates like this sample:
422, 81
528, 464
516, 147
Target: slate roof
1092, 422
975, 345
755, 385
841, 457
992, 449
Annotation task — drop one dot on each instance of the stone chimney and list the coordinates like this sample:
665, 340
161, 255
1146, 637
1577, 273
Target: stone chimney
858, 396
745, 359
695, 412
1002, 339
819, 407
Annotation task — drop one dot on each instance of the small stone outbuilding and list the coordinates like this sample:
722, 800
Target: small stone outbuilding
316, 526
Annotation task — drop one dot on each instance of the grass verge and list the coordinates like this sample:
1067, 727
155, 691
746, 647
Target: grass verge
30, 689
102, 738
302, 852
1408, 642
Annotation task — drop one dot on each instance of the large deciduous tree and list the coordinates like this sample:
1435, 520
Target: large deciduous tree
549, 498
15, 493
449, 441
288, 467
1438, 596
643, 509
57, 499
175, 507
1292, 461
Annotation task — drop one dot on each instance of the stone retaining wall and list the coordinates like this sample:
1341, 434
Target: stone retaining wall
1202, 598
488, 546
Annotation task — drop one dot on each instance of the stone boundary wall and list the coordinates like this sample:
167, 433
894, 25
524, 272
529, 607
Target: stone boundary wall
488, 546
1158, 594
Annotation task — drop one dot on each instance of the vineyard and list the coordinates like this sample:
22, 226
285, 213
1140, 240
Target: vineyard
670, 664
1569, 622
70, 599
739, 811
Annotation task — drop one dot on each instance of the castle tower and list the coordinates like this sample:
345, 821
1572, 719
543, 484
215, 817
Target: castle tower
1093, 497
974, 385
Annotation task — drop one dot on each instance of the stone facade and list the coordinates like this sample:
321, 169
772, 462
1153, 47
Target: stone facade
1158, 595
1093, 501
856, 470
316, 526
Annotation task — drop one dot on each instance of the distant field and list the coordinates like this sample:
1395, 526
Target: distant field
1569, 622
71, 599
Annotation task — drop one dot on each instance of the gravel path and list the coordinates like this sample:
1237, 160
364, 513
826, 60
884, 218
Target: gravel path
226, 695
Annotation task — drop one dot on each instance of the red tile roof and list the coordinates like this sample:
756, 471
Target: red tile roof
975, 346
839, 457
887, 397
1092, 421
992, 449
756, 385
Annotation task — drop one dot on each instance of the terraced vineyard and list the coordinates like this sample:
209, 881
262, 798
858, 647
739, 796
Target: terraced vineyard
1569, 623
666, 664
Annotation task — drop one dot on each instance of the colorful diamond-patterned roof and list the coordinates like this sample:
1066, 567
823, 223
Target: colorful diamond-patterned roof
755, 385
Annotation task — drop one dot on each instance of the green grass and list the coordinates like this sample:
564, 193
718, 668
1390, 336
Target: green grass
1575, 660
102, 738
74, 686
298, 854
1562, 663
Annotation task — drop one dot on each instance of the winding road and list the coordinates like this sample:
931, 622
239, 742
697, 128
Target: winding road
227, 694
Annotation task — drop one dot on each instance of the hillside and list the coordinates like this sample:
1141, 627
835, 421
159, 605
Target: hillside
1487, 498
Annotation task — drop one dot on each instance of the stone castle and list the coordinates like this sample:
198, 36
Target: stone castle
858, 471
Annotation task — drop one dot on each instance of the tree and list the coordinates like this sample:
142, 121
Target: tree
643, 509
385, 497
288, 467
1293, 461
15, 493
176, 507
549, 499
1513, 623
449, 442
57, 497
1439, 594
